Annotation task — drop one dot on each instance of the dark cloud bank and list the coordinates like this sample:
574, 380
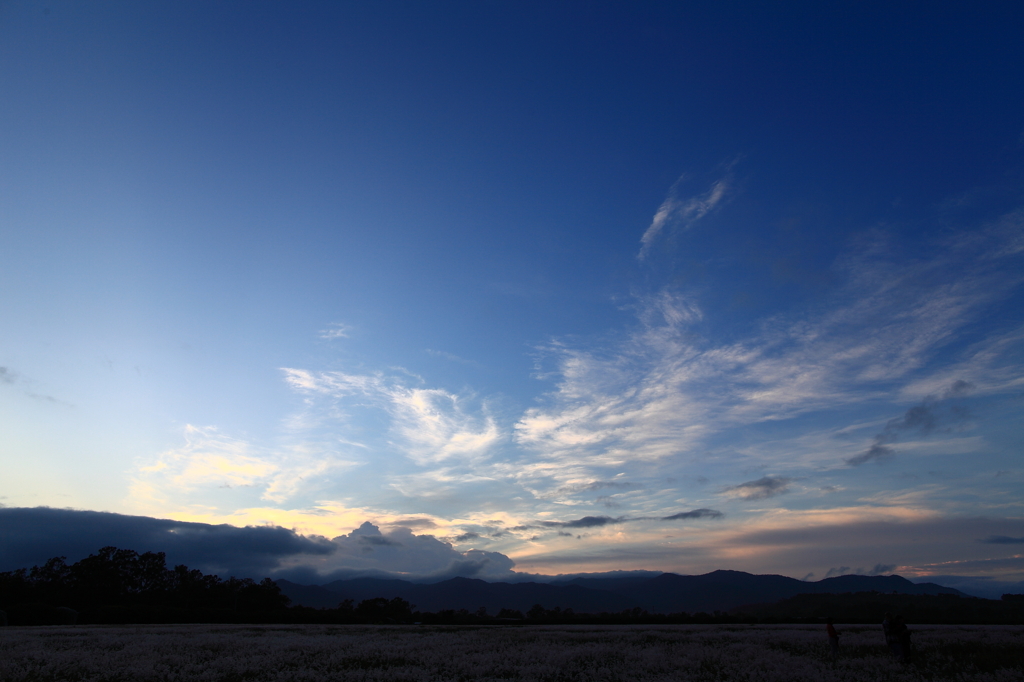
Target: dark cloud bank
30, 536
1002, 540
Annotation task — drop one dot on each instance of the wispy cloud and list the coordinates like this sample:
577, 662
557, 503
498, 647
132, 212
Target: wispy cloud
681, 211
335, 331
922, 419
10, 378
762, 488
591, 486
601, 521
666, 391
991, 363
428, 425
625, 406
694, 514
453, 357
212, 460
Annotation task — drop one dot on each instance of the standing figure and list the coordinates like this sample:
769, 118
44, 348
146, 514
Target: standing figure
902, 633
833, 639
889, 630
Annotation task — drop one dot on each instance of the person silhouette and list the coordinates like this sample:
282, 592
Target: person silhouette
890, 640
833, 638
902, 635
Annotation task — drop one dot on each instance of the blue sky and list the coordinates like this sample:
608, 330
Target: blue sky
529, 278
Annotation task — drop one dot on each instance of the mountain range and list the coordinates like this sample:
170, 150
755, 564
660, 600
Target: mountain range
666, 593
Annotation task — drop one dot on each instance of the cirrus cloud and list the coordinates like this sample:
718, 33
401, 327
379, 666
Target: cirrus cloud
761, 489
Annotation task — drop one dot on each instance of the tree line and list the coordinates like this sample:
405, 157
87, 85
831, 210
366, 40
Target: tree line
120, 585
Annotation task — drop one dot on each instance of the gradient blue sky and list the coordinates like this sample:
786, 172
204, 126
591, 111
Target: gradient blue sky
479, 271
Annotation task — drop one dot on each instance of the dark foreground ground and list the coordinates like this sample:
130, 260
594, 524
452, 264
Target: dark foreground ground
233, 653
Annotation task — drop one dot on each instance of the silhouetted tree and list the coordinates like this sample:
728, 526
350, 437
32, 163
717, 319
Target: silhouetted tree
381, 610
510, 613
123, 579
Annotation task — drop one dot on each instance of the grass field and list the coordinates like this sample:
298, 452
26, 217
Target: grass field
230, 653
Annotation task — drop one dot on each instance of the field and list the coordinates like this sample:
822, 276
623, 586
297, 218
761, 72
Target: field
231, 653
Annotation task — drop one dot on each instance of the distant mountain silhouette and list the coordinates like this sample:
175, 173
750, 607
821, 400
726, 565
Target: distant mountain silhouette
725, 590
309, 595
665, 593
609, 583
457, 593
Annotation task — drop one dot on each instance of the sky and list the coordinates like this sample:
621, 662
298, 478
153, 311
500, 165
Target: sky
514, 288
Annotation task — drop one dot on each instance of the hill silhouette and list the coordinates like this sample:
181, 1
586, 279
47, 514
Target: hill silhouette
666, 593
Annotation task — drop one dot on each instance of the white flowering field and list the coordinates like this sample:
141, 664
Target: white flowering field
233, 653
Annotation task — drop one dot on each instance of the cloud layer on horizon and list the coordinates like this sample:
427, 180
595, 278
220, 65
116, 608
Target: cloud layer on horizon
37, 534
34, 535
